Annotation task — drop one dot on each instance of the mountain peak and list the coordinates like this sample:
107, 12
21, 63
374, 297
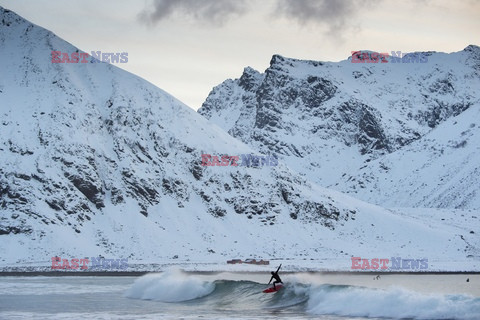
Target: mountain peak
250, 78
472, 48
276, 58
9, 18
279, 62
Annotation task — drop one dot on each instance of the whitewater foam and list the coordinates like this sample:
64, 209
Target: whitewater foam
170, 286
394, 302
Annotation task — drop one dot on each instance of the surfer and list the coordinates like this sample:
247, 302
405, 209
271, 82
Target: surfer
276, 277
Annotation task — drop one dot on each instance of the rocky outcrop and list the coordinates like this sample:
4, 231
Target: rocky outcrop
327, 119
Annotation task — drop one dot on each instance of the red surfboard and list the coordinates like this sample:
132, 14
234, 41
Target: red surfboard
272, 289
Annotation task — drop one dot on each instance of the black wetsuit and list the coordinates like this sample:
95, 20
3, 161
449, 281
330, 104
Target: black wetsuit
276, 277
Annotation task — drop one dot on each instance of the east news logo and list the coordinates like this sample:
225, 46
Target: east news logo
83, 57
383, 264
97, 263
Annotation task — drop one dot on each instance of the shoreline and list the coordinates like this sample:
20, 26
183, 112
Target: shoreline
141, 273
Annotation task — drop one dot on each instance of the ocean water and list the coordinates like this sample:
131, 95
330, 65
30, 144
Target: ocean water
177, 295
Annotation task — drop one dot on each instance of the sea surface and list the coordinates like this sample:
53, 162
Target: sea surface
175, 294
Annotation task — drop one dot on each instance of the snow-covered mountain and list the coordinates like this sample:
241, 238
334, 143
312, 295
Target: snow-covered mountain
95, 160
400, 133
88, 141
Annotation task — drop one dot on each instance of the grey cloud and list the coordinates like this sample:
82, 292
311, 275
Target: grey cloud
335, 14
215, 12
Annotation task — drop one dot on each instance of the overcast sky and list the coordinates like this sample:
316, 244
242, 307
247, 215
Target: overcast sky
188, 46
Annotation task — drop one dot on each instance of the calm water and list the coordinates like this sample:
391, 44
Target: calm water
177, 295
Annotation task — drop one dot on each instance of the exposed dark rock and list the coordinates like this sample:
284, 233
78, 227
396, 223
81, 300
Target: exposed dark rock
89, 189
4, 230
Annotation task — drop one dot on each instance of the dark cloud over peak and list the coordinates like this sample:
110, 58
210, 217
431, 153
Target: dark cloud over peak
215, 12
333, 13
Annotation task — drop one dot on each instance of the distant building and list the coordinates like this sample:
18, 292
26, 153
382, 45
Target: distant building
249, 261
234, 261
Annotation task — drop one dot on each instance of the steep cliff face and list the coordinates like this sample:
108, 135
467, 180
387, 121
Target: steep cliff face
329, 121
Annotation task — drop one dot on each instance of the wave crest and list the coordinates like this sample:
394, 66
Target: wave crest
392, 303
170, 286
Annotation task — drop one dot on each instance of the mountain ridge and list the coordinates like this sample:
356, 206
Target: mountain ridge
326, 119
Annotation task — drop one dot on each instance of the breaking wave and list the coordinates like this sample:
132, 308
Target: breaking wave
171, 286
394, 303
324, 299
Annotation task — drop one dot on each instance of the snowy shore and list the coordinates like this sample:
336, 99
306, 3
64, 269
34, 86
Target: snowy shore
288, 266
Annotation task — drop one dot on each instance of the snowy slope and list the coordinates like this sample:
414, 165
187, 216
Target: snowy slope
95, 160
441, 170
83, 143
327, 120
